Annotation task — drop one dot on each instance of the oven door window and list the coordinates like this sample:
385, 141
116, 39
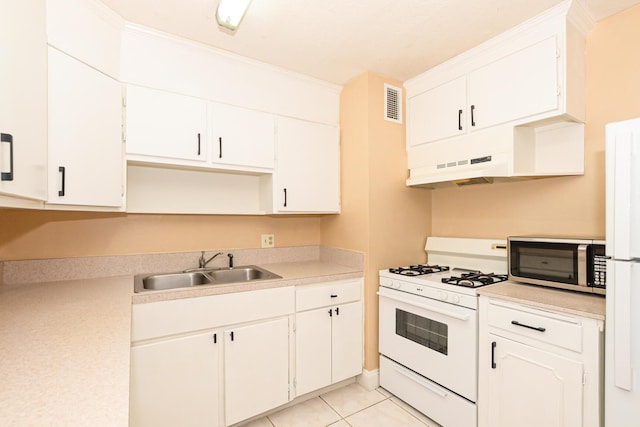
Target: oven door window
422, 330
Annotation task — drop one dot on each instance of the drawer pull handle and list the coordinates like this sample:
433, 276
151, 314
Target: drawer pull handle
493, 355
8, 138
334, 296
535, 328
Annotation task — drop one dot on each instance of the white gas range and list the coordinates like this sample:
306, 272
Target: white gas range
429, 326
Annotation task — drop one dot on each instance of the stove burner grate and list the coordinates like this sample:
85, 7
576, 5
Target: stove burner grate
475, 279
418, 270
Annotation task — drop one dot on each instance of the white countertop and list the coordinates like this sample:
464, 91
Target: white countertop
65, 353
582, 304
66, 345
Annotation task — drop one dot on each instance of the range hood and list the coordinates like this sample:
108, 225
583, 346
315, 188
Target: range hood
498, 154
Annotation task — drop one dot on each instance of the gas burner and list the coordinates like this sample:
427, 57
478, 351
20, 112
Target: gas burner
418, 270
475, 279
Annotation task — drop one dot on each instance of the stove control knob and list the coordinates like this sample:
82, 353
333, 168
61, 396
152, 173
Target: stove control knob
442, 295
455, 299
396, 285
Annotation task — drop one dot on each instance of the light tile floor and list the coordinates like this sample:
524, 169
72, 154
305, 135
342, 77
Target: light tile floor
349, 406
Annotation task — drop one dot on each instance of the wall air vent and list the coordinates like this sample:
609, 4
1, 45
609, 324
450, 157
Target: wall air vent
392, 104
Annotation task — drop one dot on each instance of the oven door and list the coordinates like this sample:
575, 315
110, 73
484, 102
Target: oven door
433, 338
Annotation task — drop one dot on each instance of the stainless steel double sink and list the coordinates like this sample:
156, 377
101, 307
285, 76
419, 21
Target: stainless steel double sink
201, 277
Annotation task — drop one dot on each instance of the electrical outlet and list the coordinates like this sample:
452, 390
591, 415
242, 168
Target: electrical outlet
268, 241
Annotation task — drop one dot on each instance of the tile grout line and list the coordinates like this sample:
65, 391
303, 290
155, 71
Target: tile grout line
419, 420
358, 411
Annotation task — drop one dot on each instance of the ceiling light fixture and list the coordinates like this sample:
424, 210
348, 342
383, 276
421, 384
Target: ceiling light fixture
230, 13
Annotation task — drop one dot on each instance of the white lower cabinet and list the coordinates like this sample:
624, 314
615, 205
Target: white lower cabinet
219, 360
329, 339
176, 382
538, 367
256, 369
210, 361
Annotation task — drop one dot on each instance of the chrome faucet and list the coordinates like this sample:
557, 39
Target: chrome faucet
202, 263
230, 255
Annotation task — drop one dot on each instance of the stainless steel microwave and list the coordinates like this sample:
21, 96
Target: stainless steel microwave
574, 264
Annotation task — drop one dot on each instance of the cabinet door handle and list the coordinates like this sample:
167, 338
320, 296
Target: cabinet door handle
285, 197
334, 296
215, 338
493, 355
337, 311
6, 137
198, 144
535, 328
220, 147
62, 170
473, 120
232, 337
459, 119
330, 313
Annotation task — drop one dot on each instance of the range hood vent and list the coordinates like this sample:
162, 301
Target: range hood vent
498, 154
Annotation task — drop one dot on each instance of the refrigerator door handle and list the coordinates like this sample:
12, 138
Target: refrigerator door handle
622, 325
623, 188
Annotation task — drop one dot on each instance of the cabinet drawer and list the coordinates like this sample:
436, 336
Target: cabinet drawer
164, 318
552, 328
326, 294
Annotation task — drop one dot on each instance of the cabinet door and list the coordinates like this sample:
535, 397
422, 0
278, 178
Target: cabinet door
520, 85
438, 113
308, 167
176, 382
256, 369
242, 137
530, 387
313, 350
23, 89
167, 125
85, 134
347, 344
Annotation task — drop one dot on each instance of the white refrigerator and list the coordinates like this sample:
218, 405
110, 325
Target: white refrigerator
622, 349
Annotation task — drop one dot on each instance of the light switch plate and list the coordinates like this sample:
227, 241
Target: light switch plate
268, 241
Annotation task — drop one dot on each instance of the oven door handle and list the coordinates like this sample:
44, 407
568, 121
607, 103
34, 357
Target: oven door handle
416, 379
463, 317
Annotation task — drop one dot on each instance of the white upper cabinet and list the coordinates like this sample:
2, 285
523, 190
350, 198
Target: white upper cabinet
438, 113
242, 137
85, 134
520, 85
88, 31
165, 126
23, 109
307, 176
511, 107
85, 155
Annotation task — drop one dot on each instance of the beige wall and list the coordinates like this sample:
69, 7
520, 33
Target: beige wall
41, 234
380, 215
569, 205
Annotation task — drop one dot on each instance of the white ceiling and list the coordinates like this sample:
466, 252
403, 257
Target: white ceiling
336, 40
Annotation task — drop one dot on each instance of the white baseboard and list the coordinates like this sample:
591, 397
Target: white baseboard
369, 379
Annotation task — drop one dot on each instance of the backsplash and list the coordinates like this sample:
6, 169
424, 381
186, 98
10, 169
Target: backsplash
15, 273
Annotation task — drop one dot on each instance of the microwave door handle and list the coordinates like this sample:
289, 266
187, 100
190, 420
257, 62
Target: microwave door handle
582, 265
463, 317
